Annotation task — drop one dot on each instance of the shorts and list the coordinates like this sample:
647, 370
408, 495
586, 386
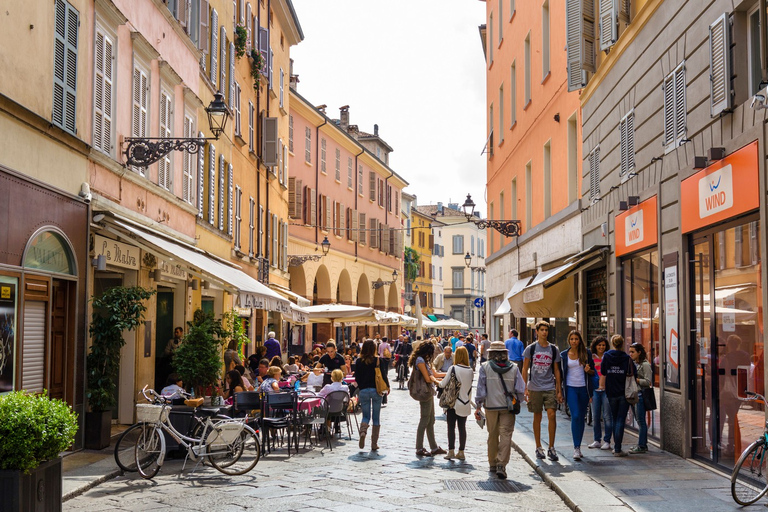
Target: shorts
539, 400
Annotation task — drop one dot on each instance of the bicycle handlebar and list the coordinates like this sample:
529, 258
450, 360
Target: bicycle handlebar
751, 395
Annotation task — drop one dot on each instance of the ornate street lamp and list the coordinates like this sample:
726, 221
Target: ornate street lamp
468, 263
144, 151
507, 228
298, 260
378, 284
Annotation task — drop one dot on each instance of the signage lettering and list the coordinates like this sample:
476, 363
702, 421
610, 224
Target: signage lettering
633, 228
716, 192
117, 253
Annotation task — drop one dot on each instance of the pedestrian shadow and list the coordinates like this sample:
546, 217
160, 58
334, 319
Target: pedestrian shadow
425, 463
457, 467
366, 456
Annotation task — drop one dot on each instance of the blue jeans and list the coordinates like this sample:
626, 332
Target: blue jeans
600, 409
578, 401
642, 426
619, 410
370, 403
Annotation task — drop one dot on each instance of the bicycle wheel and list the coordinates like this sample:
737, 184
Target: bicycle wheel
125, 455
748, 480
238, 457
149, 446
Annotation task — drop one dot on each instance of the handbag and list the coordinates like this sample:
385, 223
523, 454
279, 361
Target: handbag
381, 384
451, 391
630, 388
387, 354
418, 388
649, 399
513, 404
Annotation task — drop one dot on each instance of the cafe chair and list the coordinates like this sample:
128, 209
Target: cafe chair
312, 417
248, 403
278, 412
338, 403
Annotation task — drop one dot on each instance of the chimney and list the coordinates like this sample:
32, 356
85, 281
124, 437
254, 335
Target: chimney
322, 108
440, 207
294, 83
376, 130
344, 117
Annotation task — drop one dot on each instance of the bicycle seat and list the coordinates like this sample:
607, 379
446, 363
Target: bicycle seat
194, 402
205, 412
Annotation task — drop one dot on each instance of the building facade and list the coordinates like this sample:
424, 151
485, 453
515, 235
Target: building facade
423, 243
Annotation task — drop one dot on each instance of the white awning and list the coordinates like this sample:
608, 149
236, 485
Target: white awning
196, 261
292, 296
332, 313
504, 307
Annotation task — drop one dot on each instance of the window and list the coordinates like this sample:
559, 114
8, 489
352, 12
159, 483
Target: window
349, 172
275, 232
501, 204
611, 11
231, 79
573, 164
360, 179
103, 92
164, 168
527, 69
338, 165
238, 218
251, 215
290, 133
458, 244
65, 66
189, 163
250, 125
528, 196
236, 110
545, 40
512, 95
200, 178
580, 40
594, 174
720, 72
547, 180
308, 145
472, 245
322, 156
223, 87
260, 231
501, 114
491, 212
490, 130
222, 189
140, 114
457, 280
627, 143
511, 9
674, 107
490, 40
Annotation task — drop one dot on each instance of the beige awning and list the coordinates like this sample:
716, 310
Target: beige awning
505, 306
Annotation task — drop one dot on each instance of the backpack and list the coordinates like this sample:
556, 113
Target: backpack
451, 391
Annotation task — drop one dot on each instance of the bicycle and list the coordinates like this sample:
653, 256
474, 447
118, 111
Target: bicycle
400, 365
230, 446
748, 480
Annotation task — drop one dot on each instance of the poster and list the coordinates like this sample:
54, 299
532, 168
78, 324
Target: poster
7, 333
671, 321
729, 317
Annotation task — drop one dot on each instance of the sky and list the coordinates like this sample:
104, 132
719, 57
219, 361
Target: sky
414, 67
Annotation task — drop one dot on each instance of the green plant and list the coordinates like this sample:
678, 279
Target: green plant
33, 429
411, 264
118, 309
238, 338
198, 359
241, 37
257, 69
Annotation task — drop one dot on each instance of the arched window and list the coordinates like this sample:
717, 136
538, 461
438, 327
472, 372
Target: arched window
50, 251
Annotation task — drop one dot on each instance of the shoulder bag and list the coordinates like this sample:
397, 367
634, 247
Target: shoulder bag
630, 387
649, 397
513, 404
418, 388
381, 385
451, 391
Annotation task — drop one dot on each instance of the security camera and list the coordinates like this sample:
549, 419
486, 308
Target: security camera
85, 192
758, 99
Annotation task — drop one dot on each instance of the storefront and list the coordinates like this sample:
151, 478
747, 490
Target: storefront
637, 253
726, 350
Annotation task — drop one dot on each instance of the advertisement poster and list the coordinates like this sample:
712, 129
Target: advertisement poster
671, 322
729, 315
7, 333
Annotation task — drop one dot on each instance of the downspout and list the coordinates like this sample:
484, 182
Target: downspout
266, 174
763, 44
357, 196
317, 178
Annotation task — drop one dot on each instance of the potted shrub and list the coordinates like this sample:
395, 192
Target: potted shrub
198, 359
34, 430
118, 309
257, 69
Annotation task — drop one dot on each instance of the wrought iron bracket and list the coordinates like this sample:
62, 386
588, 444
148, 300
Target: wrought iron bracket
378, 284
297, 261
144, 151
507, 228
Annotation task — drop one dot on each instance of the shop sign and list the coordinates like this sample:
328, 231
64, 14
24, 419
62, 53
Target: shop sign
533, 294
252, 300
171, 270
722, 190
636, 228
117, 253
671, 321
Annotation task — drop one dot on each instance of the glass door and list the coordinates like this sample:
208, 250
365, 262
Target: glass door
701, 351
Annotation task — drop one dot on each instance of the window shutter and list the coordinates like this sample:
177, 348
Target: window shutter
230, 186
201, 178
312, 207
166, 121
238, 197
580, 40
292, 204
250, 125
374, 235
362, 228
328, 214
102, 123
629, 127
188, 165
264, 49
680, 109
269, 141
285, 246
594, 174
232, 104
669, 109
342, 220
35, 327
251, 220
214, 28
355, 224
65, 66
284, 175
385, 239
372, 185
269, 67
212, 185
222, 184
609, 26
400, 242
275, 239
248, 21
204, 21
140, 101
280, 160
223, 86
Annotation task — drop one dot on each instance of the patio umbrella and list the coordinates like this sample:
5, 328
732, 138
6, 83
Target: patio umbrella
331, 313
420, 318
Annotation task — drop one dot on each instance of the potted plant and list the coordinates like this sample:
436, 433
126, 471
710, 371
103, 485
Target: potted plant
118, 309
198, 359
241, 38
34, 430
257, 69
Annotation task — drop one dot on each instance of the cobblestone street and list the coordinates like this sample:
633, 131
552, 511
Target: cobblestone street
343, 479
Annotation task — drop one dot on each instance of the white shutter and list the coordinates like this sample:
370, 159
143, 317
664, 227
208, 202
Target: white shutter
222, 184
627, 143
285, 246
236, 109
680, 108
251, 214
140, 110
719, 65
609, 26
201, 178
230, 186
250, 126
232, 81
189, 164
275, 242
580, 41
223, 86
166, 130
212, 186
669, 109
65, 66
33, 347
214, 28
102, 122
248, 22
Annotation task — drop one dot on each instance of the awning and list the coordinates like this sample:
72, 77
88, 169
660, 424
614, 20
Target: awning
550, 294
432, 317
292, 296
252, 293
504, 307
343, 313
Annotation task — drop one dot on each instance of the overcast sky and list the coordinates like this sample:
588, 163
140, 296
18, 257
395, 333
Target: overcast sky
415, 68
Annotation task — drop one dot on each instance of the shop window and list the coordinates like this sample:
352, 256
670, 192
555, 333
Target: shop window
51, 252
8, 315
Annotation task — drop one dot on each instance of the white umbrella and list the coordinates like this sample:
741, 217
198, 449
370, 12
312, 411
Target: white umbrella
420, 324
330, 313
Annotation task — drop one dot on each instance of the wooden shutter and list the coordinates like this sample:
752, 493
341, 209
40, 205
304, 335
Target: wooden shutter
251, 221
33, 362
669, 109
312, 207
275, 256
362, 226
372, 185
166, 131
222, 190
385, 239
65, 66
292, 193
188, 167
264, 49
140, 108
393, 242
230, 188
204, 36
354, 224
212, 185
680, 108
103, 87
400, 242
269, 140
342, 220
223, 86
232, 104
609, 25
201, 178
250, 125
375, 234
328, 214
248, 22
580, 41
269, 68
594, 173
285, 246
214, 28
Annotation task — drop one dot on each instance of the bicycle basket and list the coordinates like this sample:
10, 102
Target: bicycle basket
225, 433
152, 413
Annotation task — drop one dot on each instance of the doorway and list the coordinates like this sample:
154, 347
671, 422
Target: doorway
726, 349
163, 333
62, 356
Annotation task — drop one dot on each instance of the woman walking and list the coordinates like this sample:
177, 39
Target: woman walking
577, 368
369, 398
600, 408
614, 370
644, 380
421, 362
457, 415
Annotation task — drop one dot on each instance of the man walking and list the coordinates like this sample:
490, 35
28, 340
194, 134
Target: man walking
485, 345
498, 378
272, 346
542, 388
515, 348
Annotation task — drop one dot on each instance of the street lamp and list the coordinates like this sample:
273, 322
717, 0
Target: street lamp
505, 227
298, 260
378, 284
468, 263
144, 151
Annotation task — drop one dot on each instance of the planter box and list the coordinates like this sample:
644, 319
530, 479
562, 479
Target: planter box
38, 491
98, 429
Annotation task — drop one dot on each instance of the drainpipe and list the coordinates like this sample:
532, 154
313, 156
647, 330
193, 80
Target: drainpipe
317, 177
357, 196
763, 44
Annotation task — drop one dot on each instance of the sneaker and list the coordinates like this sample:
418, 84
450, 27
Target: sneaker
552, 455
577, 454
595, 444
638, 449
460, 455
493, 468
450, 455
540, 453
501, 472
620, 454
605, 446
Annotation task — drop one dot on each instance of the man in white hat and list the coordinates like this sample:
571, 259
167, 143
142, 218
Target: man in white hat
499, 384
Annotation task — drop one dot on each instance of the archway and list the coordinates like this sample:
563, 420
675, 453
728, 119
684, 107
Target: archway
393, 301
298, 280
344, 288
321, 291
379, 299
363, 291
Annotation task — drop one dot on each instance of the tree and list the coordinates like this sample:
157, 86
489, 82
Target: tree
411, 264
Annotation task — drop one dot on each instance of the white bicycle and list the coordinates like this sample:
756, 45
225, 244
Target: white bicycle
230, 445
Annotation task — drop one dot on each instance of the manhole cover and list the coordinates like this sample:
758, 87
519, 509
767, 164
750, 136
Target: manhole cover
638, 492
483, 485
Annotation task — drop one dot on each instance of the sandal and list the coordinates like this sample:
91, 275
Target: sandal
423, 453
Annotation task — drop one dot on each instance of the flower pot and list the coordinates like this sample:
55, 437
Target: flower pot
38, 491
206, 401
98, 429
